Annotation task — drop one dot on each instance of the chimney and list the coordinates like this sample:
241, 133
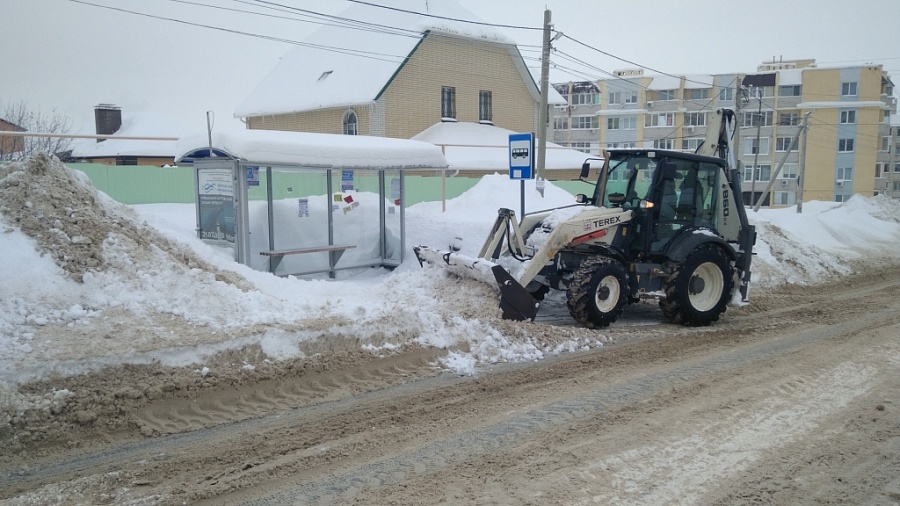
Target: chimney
108, 119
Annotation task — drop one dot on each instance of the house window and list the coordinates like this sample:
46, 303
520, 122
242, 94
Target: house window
887, 117
726, 94
629, 122
695, 119
761, 173
615, 97
785, 198
845, 146
845, 174
585, 98
485, 114
752, 119
664, 144
612, 123
448, 102
584, 147
698, 94
751, 147
665, 119
788, 118
789, 91
788, 171
848, 117
691, 145
897, 186
878, 170
664, 95
897, 167
351, 123
126, 160
840, 198
783, 143
886, 144
631, 97
848, 89
560, 123
585, 122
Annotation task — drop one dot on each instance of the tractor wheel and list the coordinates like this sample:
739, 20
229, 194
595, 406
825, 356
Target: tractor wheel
597, 292
698, 290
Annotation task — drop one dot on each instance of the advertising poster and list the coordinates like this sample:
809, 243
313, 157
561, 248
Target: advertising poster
215, 200
346, 180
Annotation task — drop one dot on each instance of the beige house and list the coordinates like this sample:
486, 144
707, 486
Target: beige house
10, 145
397, 82
141, 138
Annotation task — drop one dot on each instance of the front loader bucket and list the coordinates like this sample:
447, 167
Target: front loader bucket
515, 301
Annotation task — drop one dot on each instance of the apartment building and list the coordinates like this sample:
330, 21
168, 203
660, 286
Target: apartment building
850, 143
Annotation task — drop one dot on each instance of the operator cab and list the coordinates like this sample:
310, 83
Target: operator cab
668, 191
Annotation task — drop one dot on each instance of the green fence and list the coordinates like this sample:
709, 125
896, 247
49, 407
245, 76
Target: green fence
140, 184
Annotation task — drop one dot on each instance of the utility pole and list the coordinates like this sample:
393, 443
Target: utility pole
756, 148
804, 128
542, 114
780, 165
736, 144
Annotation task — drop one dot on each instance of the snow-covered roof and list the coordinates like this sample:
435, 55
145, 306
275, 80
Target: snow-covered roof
664, 83
134, 124
474, 146
790, 77
327, 70
698, 82
320, 150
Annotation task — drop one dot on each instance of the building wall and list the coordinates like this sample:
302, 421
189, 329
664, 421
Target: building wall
141, 160
413, 99
326, 121
820, 94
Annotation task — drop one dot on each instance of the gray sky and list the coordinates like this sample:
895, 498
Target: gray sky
71, 56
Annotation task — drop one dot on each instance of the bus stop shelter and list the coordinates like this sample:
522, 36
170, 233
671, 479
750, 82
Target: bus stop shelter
300, 204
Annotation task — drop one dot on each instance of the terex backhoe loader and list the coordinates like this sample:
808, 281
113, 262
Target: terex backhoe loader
663, 225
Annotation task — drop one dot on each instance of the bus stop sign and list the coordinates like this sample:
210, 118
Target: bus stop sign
521, 156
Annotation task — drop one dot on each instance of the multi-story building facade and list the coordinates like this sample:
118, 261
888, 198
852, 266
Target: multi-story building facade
887, 173
848, 143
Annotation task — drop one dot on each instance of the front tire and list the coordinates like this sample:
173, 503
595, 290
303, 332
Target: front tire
597, 292
698, 290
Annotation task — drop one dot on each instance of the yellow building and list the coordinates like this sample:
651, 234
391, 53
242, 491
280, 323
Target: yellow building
848, 141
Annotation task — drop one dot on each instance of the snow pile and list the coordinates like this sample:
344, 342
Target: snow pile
89, 283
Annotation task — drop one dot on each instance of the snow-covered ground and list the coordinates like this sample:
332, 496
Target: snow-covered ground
89, 283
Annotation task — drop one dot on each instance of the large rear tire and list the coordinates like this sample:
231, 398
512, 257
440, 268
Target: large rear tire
597, 292
698, 290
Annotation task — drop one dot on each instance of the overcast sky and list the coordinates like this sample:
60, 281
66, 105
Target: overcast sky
69, 56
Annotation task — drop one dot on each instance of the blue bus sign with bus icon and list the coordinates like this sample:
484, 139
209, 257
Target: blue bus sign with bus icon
521, 156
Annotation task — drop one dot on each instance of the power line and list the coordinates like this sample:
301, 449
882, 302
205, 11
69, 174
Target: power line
370, 4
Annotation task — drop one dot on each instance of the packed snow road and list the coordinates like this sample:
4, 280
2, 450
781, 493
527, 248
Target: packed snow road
794, 399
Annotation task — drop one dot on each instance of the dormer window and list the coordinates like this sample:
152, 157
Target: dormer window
351, 126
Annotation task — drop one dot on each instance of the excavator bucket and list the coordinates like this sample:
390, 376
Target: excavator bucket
515, 302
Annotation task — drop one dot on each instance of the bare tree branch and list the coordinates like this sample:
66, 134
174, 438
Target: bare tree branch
19, 114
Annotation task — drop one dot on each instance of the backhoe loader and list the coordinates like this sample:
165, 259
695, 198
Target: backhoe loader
661, 225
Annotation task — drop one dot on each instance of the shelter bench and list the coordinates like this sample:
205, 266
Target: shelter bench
334, 254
